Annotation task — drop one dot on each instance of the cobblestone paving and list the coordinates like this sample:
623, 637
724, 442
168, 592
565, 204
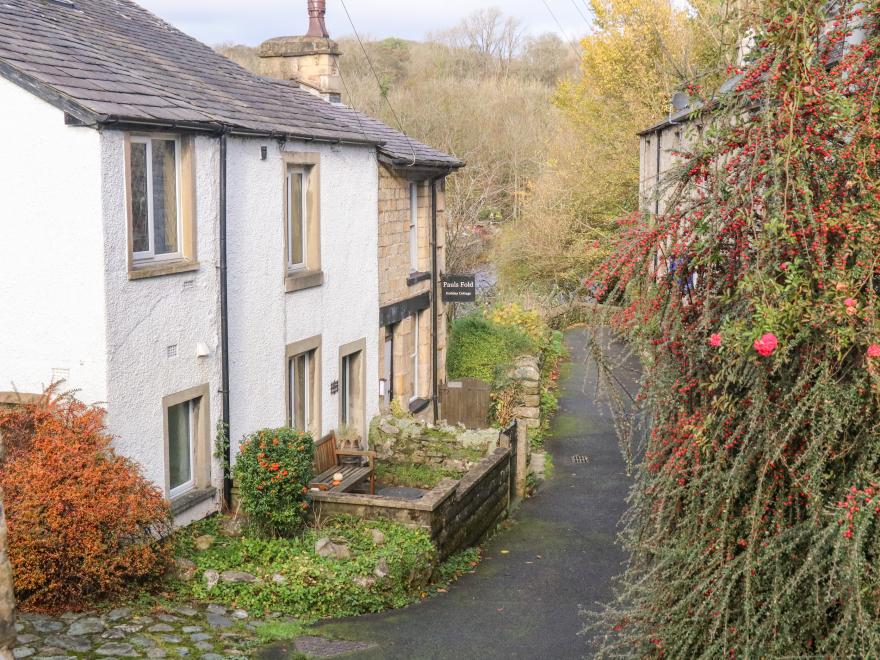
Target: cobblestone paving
206, 632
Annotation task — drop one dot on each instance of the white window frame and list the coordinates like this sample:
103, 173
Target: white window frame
414, 227
416, 357
150, 254
191, 483
304, 172
307, 387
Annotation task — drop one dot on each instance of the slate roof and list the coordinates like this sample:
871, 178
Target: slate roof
401, 149
113, 62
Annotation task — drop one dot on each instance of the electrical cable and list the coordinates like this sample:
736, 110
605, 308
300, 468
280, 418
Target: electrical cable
379, 83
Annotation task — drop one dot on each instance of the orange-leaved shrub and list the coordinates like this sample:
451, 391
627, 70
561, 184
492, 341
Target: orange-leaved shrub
84, 524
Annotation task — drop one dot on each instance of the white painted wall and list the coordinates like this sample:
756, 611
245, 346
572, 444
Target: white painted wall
67, 301
51, 254
263, 318
146, 316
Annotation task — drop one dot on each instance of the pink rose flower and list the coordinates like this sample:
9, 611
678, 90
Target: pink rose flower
874, 350
766, 344
715, 340
849, 302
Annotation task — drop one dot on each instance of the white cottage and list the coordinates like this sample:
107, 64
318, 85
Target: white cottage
180, 240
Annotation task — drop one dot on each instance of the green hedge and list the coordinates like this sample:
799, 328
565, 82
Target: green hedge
479, 348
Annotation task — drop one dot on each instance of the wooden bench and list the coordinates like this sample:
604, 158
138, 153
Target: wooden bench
327, 464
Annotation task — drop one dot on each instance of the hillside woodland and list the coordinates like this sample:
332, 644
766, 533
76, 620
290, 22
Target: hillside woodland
547, 127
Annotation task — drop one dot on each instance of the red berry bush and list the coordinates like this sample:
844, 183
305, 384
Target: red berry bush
84, 525
272, 473
754, 528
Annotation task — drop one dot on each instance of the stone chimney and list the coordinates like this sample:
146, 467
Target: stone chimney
311, 60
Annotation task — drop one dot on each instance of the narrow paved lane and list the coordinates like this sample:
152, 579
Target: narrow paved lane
559, 554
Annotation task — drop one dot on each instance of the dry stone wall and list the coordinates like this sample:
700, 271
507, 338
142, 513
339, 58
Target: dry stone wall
527, 374
405, 440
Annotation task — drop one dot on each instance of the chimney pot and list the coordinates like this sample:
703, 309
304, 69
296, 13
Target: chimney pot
317, 27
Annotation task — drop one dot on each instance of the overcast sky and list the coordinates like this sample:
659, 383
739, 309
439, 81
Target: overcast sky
252, 21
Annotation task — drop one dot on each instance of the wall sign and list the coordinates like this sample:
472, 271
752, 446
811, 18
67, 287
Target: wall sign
334, 387
459, 288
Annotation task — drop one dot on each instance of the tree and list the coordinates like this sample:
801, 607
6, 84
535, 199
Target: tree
496, 39
639, 52
754, 528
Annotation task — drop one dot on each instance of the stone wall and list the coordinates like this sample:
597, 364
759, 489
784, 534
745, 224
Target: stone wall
527, 374
395, 284
406, 440
457, 514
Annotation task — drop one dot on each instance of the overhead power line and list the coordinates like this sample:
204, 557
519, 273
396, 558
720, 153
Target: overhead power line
570, 41
581, 12
382, 93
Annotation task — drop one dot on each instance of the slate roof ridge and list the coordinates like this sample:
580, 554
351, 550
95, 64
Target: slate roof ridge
113, 61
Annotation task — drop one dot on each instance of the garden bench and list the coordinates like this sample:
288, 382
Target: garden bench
327, 464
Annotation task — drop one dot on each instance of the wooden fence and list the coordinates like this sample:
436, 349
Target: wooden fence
466, 401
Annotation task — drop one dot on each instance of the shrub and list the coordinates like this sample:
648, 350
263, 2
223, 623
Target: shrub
527, 321
272, 472
479, 348
83, 523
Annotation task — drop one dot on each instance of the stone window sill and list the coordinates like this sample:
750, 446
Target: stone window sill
414, 278
418, 405
162, 268
305, 279
193, 498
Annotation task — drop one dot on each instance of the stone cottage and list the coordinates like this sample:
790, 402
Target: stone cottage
184, 241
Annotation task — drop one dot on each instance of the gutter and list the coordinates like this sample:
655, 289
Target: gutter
224, 325
435, 276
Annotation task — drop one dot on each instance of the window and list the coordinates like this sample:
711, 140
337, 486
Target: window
302, 221
301, 372
352, 383
187, 442
155, 201
414, 227
414, 355
160, 204
297, 218
181, 446
303, 384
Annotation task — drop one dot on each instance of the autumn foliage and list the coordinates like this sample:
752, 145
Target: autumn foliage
754, 300
83, 522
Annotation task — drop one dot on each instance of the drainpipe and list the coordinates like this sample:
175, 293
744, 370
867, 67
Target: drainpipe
435, 344
224, 324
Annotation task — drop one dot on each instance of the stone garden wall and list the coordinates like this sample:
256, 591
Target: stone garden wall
527, 374
457, 514
405, 440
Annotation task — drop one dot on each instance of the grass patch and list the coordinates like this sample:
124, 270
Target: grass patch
413, 476
280, 631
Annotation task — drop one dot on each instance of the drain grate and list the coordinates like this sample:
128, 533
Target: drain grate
580, 459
